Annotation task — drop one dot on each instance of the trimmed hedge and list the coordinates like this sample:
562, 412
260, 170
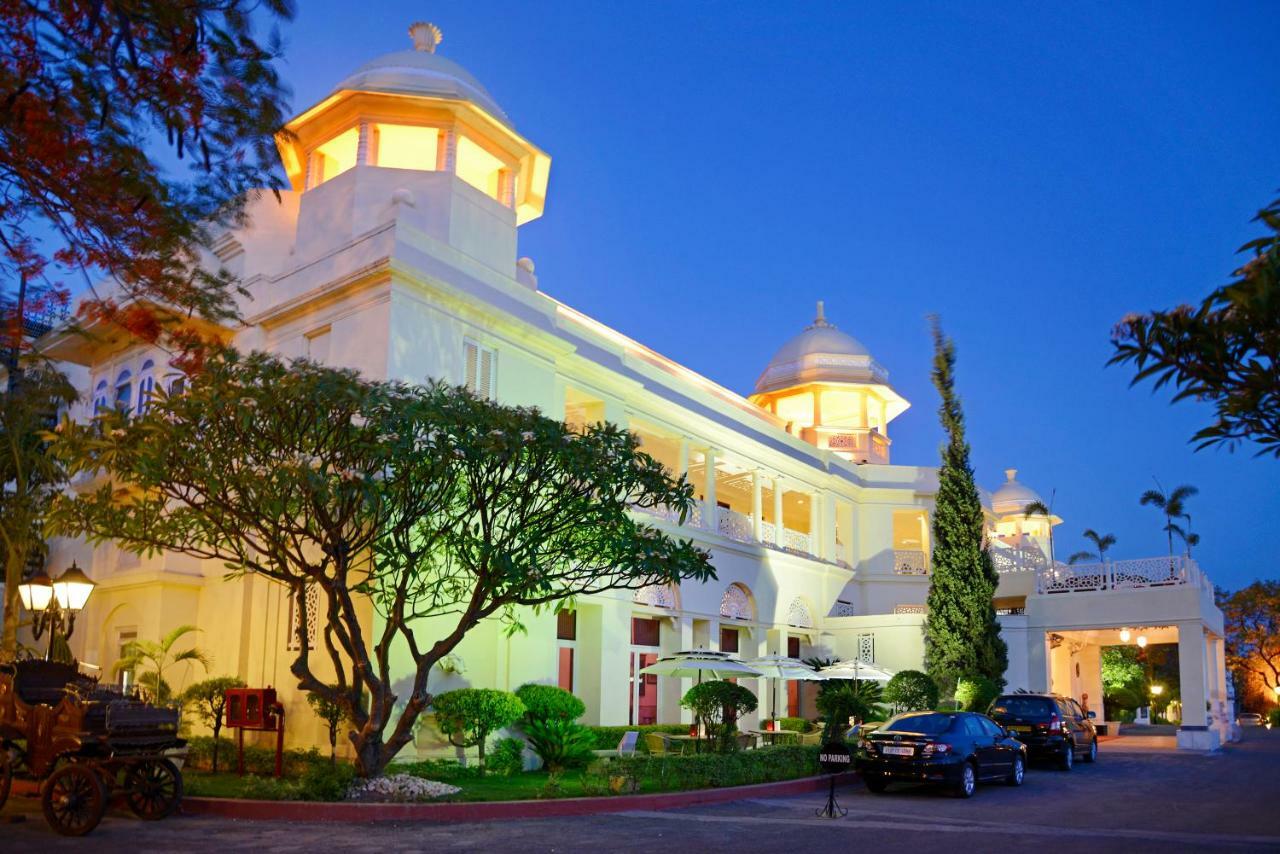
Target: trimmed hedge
257, 760
607, 737
713, 770
797, 724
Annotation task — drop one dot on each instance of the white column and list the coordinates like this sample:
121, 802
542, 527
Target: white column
709, 515
684, 457
686, 642
828, 526
815, 525
362, 146
778, 527
1192, 652
450, 151
757, 506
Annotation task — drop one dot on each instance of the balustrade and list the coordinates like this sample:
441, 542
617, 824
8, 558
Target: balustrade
1135, 574
910, 562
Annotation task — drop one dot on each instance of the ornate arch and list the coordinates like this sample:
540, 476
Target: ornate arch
738, 603
658, 596
799, 615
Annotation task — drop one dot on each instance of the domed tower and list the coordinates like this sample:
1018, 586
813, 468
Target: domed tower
831, 392
416, 133
1027, 536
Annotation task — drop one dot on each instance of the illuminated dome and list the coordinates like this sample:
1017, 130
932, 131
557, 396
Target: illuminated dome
422, 72
1012, 496
821, 353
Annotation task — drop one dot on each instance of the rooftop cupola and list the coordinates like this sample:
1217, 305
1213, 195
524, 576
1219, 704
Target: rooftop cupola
417, 111
831, 392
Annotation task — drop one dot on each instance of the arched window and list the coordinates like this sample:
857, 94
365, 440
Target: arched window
657, 596
737, 604
799, 615
100, 397
124, 391
146, 383
177, 384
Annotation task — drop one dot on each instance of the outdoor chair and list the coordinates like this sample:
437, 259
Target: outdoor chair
626, 746
657, 743
814, 737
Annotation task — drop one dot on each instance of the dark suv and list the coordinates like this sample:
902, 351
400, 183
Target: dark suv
1050, 726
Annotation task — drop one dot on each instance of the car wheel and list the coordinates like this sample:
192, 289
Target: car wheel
1092, 754
968, 783
875, 783
1068, 757
1018, 773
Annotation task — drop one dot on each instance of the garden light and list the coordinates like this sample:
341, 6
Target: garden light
1142, 641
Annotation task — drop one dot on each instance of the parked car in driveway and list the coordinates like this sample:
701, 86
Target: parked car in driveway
1050, 726
956, 749
1249, 719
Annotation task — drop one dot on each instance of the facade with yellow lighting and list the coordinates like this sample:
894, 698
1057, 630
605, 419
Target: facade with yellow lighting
395, 253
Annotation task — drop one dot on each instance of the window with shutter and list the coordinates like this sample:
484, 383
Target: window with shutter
479, 370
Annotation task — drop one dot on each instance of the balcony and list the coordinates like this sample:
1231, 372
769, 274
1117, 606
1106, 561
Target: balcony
738, 526
859, 444
1138, 574
910, 562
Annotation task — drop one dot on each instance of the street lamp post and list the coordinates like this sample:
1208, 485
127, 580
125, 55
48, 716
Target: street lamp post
54, 603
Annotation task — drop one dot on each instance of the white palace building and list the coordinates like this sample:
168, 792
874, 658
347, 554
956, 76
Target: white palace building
395, 252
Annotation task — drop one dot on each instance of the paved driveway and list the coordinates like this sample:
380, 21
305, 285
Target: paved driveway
1128, 802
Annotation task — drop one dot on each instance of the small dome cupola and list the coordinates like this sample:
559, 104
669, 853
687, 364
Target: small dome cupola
1012, 496
825, 384
419, 111
1009, 505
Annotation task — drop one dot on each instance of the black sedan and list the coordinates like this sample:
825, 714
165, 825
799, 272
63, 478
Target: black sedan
956, 749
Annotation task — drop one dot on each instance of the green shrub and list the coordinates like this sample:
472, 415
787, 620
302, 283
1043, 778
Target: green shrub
796, 724
703, 770
717, 703
547, 702
607, 737
560, 743
327, 781
1122, 698
257, 760
507, 756
911, 691
976, 693
1274, 718
840, 702
1124, 716
468, 715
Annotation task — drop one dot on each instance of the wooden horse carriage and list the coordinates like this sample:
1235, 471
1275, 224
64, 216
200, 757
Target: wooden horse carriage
86, 743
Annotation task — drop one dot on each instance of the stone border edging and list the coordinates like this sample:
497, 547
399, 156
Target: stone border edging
462, 811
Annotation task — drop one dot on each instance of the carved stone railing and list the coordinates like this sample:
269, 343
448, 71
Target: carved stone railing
1138, 574
794, 541
910, 562
844, 609
735, 525
767, 534
1015, 559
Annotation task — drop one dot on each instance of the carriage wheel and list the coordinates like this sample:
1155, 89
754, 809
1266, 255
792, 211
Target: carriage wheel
73, 799
153, 789
6, 774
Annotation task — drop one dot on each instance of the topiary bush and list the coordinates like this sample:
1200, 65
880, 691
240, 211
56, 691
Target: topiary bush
718, 704
468, 715
560, 743
976, 693
703, 770
912, 691
506, 757
548, 702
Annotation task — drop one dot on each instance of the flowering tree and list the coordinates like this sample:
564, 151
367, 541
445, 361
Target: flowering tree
92, 91
423, 501
1226, 351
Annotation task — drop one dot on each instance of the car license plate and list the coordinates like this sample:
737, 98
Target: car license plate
1020, 728
898, 751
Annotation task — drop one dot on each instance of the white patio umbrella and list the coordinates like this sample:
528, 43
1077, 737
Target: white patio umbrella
855, 669
693, 663
779, 667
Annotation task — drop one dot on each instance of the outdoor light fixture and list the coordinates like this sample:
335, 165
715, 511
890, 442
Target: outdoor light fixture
1124, 635
54, 603
1142, 641
1157, 690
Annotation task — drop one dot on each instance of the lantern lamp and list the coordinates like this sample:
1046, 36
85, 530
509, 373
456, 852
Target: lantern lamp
36, 592
72, 589
1142, 641
1157, 690
1125, 634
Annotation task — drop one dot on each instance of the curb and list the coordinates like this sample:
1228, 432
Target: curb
315, 811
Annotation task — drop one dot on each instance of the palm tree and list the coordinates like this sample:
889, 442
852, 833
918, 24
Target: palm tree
1039, 508
1172, 505
1101, 542
159, 656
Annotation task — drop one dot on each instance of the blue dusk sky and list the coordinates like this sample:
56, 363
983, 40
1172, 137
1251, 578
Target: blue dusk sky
1030, 172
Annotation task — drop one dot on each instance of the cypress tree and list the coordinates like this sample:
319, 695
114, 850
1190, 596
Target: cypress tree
961, 634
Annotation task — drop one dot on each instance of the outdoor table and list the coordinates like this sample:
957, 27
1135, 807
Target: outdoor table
771, 735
